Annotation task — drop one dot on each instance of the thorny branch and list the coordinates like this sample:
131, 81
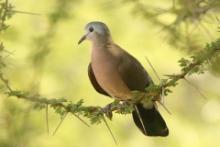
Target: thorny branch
197, 64
95, 113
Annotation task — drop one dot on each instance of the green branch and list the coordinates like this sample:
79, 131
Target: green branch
95, 113
197, 64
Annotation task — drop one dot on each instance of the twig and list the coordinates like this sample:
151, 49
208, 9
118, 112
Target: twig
155, 72
161, 101
109, 129
141, 120
61, 121
196, 88
24, 12
165, 108
5, 81
47, 120
84, 122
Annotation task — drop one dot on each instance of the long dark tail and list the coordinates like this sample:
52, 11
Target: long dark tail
149, 121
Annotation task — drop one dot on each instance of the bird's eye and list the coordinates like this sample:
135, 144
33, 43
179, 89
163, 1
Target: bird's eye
91, 29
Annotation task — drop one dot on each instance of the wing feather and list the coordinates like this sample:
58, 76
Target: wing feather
133, 73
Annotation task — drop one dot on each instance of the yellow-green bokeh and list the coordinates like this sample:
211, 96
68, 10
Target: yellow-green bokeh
63, 73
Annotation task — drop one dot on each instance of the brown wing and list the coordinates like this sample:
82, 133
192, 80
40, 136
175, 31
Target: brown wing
95, 84
133, 73
148, 120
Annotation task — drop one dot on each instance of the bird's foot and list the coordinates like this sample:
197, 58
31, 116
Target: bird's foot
107, 110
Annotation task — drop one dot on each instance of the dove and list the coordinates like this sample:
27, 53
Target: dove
116, 73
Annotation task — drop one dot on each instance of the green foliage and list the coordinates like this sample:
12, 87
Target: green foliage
188, 16
5, 13
194, 65
183, 32
201, 61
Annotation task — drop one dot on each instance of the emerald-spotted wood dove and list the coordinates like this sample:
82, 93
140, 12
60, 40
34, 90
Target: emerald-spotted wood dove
115, 73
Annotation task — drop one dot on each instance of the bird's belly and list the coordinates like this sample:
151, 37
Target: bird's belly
108, 77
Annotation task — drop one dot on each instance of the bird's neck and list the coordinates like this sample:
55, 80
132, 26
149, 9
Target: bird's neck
102, 42
101, 51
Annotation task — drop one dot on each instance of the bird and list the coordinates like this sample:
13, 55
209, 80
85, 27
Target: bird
115, 73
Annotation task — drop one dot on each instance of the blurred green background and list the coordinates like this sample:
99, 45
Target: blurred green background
46, 59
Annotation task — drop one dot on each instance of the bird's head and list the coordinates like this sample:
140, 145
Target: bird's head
96, 31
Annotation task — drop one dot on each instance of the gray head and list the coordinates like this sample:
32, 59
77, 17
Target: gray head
96, 31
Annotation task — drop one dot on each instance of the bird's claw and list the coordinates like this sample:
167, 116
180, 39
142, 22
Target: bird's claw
107, 111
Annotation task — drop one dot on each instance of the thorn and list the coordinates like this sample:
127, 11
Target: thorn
142, 123
47, 120
6, 82
161, 101
162, 96
24, 12
109, 129
165, 108
84, 122
196, 88
58, 126
155, 72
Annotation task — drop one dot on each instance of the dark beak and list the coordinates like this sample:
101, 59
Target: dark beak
82, 39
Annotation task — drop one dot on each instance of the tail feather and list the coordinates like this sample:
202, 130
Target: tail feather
149, 121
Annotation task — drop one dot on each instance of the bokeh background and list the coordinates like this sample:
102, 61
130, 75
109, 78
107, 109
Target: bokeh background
45, 58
